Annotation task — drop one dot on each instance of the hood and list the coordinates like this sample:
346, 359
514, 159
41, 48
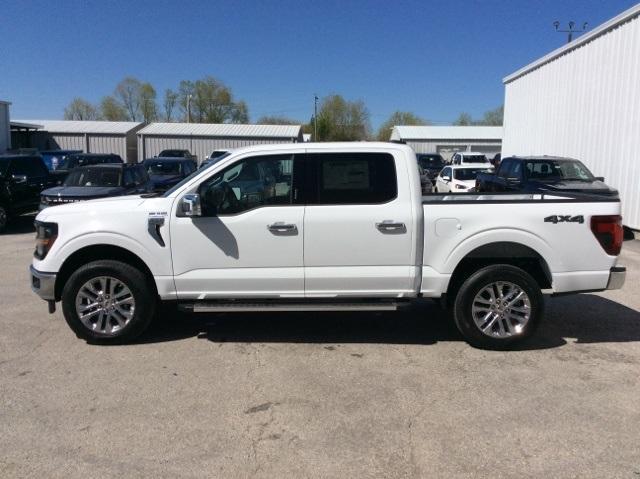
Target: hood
591, 187
80, 192
117, 204
165, 179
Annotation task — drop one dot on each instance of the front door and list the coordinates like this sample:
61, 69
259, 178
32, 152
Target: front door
358, 231
249, 240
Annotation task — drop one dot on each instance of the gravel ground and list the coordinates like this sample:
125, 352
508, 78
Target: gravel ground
319, 394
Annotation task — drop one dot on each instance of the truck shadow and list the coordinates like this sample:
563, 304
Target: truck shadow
583, 319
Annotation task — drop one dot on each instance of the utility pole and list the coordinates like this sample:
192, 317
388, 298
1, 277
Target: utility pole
189, 108
315, 117
571, 29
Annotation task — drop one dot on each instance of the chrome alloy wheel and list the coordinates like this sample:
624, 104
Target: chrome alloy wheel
105, 305
501, 310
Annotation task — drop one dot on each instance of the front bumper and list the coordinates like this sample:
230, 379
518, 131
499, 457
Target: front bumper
617, 276
43, 284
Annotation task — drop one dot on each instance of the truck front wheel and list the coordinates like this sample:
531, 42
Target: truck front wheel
108, 301
498, 306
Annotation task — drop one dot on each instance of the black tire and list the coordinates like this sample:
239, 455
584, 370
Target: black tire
140, 286
4, 218
464, 299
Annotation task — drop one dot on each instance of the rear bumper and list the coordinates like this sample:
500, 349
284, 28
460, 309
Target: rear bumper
43, 284
617, 276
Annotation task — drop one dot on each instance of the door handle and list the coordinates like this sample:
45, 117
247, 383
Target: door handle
282, 227
390, 226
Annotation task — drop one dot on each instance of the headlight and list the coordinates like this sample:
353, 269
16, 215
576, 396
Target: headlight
461, 187
46, 234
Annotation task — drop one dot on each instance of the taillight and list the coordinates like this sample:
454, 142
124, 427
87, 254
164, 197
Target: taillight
608, 231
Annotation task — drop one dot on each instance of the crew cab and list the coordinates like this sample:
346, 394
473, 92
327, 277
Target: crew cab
322, 227
539, 174
22, 178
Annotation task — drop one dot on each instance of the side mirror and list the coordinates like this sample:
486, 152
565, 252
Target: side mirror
190, 205
600, 178
19, 179
446, 178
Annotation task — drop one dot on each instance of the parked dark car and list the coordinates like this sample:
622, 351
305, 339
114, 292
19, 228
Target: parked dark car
22, 178
213, 160
83, 159
53, 158
178, 154
98, 181
431, 163
167, 172
542, 174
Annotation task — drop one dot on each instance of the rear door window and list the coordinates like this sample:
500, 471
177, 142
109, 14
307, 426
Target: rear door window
352, 178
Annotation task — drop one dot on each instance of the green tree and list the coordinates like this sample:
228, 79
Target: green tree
342, 120
464, 119
277, 120
493, 117
170, 103
111, 110
398, 118
128, 93
81, 109
148, 107
210, 101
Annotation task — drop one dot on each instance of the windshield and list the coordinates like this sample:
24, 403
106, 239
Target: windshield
475, 159
94, 177
431, 161
558, 170
172, 153
163, 168
4, 166
467, 174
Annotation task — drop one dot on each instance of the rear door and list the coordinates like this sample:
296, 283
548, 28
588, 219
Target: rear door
358, 231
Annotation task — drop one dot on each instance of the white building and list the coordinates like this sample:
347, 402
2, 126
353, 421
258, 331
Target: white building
447, 140
5, 130
583, 101
117, 137
201, 139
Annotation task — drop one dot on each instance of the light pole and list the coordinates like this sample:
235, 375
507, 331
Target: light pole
315, 117
571, 29
189, 108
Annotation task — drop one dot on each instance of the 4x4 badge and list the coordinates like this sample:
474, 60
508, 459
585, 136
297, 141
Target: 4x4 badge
555, 219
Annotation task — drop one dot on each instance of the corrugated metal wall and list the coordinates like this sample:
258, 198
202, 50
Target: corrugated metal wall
5, 130
108, 144
422, 146
585, 104
150, 146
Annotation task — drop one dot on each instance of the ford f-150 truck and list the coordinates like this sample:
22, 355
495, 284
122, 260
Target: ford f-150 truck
320, 227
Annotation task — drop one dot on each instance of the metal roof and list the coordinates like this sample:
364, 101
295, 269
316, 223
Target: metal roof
3, 102
26, 126
100, 127
446, 133
584, 39
222, 129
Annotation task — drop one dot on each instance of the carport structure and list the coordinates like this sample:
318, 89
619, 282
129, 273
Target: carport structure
202, 139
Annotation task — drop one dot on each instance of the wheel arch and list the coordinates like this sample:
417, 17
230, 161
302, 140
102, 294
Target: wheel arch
97, 252
501, 252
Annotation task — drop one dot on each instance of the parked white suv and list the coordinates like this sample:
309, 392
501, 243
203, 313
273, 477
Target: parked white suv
466, 157
459, 178
318, 227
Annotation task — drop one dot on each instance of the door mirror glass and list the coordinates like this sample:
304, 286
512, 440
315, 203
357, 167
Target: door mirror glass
18, 179
190, 205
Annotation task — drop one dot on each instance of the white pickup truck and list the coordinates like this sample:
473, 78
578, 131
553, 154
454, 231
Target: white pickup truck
322, 227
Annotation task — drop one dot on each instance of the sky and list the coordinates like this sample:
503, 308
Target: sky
433, 58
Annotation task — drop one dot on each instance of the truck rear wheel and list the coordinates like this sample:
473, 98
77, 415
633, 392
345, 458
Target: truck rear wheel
108, 301
498, 306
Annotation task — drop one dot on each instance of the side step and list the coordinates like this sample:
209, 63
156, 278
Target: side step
240, 307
